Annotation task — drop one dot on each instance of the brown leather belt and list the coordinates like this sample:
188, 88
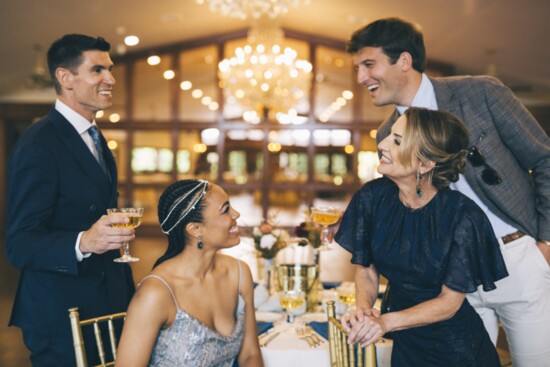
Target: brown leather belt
512, 237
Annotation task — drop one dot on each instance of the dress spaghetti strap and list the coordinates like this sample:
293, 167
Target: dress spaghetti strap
167, 286
240, 276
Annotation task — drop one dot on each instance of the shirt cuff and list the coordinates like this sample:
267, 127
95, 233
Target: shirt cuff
79, 255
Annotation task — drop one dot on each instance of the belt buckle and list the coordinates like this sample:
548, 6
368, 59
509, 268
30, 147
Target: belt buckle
512, 237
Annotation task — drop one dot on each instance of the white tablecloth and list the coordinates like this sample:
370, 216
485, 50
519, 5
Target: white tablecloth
288, 350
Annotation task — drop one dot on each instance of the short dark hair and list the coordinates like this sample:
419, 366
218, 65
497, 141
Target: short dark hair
394, 36
67, 51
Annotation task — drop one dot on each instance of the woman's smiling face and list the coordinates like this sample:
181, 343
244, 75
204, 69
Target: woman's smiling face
220, 228
390, 164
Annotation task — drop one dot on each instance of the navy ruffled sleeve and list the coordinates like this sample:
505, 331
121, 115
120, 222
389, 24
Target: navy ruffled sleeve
475, 258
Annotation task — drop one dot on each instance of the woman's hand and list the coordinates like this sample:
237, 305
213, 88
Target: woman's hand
351, 318
367, 331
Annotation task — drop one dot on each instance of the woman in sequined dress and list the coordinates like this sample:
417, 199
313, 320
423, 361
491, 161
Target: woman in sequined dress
196, 307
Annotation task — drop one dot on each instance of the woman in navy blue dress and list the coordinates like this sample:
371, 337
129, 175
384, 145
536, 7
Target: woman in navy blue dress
433, 244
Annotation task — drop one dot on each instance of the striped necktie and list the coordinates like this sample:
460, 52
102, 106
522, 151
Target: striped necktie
95, 134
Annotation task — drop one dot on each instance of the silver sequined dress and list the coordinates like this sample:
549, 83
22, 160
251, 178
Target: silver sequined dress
190, 343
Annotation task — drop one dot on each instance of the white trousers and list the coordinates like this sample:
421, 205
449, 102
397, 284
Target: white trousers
521, 303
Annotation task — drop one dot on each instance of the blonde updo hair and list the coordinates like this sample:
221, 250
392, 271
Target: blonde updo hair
437, 136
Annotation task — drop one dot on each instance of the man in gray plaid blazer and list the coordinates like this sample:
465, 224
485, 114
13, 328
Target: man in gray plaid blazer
508, 173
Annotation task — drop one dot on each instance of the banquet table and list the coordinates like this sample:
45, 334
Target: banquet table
288, 350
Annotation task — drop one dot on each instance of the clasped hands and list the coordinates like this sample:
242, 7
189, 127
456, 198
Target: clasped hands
363, 325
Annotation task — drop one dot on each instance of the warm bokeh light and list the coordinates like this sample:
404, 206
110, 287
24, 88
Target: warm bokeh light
131, 40
199, 148
112, 144
153, 60
186, 85
114, 118
169, 74
347, 94
274, 147
197, 93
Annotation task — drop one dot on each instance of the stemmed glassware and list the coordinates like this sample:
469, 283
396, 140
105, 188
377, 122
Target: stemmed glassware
346, 295
291, 300
134, 215
325, 216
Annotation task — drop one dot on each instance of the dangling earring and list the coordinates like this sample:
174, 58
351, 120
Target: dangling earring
199, 245
418, 186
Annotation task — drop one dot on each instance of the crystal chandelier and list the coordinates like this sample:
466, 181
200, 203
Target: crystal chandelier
263, 77
255, 8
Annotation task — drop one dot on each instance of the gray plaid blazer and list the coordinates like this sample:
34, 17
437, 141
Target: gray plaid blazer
512, 142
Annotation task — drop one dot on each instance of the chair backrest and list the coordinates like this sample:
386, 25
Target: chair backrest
78, 340
343, 354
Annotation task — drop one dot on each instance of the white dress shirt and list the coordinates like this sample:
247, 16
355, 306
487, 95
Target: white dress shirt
81, 125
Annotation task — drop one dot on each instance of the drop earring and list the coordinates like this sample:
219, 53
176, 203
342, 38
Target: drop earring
418, 186
199, 245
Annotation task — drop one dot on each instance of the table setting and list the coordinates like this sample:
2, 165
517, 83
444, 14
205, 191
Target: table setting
290, 296
303, 339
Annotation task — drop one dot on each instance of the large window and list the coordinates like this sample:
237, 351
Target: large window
173, 118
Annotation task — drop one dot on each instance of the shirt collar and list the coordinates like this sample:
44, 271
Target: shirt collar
425, 96
79, 122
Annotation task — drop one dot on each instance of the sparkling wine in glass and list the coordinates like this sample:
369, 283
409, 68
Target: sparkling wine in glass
134, 216
325, 216
291, 300
346, 295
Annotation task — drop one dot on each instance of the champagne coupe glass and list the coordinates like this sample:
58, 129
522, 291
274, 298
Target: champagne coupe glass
291, 300
325, 216
346, 295
134, 215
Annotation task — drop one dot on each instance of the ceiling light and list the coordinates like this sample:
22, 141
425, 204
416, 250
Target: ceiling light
251, 8
261, 76
131, 40
169, 74
197, 93
153, 60
186, 85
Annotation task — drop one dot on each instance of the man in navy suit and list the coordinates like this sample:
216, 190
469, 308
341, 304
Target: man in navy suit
60, 184
507, 175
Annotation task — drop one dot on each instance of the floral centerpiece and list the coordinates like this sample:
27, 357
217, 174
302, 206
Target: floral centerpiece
309, 231
268, 240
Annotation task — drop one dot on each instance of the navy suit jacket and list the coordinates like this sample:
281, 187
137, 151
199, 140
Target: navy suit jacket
512, 142
56, 189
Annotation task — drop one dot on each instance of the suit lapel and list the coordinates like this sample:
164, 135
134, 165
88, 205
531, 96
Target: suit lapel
82, 154
445, 97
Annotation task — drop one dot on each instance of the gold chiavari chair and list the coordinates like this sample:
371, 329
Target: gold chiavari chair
78, 340
343, 354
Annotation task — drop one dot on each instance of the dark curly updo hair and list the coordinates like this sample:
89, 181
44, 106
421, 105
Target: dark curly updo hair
437, 136
181, 203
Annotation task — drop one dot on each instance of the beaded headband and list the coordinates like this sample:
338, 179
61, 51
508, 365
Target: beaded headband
198, 191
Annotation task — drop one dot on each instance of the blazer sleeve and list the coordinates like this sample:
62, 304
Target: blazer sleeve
528, 142
32, 200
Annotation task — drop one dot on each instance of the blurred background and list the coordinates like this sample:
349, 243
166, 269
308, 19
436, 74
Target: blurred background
300, 134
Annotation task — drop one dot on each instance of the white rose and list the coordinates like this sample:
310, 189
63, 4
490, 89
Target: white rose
256, 232
267, 241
